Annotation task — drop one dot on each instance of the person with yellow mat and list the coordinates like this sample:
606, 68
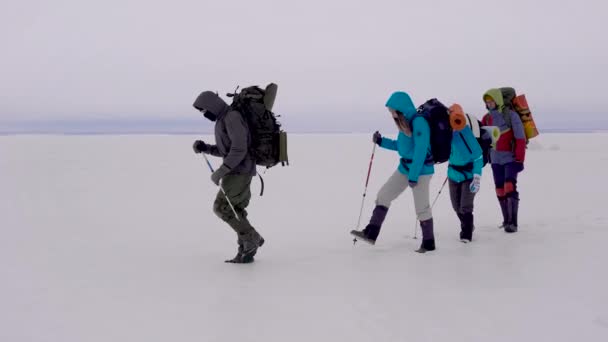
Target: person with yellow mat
507, 156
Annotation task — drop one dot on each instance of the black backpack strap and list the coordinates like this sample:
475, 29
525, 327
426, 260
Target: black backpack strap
465, 143
404, 163
506, 115
261, 181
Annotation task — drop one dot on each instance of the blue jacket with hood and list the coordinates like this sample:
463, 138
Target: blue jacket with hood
415, 151
465, 152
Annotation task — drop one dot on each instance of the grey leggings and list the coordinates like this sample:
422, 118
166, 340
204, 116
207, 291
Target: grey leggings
397, 183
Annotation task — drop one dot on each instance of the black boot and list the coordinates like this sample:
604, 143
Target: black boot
372, 230
248, 246
466, 234
238, 258
505, 211
428, 236
513, 206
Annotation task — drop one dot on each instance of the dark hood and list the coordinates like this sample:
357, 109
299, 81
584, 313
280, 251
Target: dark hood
211, 102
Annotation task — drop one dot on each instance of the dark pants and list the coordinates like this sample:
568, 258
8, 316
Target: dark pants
238, 190
462, 197
505, 180
462, 201
505, 177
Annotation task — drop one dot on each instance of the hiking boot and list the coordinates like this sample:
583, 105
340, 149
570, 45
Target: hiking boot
248, 246
513, 208
426, 246
505, 211
251, 242
510, 228
370, 233
428, 236
238, 259
466, 233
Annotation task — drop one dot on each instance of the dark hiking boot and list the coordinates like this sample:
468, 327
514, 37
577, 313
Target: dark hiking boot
248, 247
505, 211
426, 246
428, 236
513, 207
466, 233
370, 233
238, 259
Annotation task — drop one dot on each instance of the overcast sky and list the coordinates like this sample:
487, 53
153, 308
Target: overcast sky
335, 62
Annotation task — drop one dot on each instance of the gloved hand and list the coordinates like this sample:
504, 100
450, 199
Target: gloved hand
219, 174
412, 184
475, 184
199, 146
377, 138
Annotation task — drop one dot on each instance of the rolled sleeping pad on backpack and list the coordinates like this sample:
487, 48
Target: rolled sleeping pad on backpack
458, 120
521, 107
270, 95
474, 124
494, 132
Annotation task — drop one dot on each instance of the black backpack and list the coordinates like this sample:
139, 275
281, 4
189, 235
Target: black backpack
436, 114
508, 94
268, 140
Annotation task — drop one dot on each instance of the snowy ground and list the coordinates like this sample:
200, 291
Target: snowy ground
112, 238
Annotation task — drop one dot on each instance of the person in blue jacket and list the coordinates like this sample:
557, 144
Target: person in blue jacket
464, 168
415, 170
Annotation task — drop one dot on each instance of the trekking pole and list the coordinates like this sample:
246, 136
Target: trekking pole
369, 171
432, 205
222, 189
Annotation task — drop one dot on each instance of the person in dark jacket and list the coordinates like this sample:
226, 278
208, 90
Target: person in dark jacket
232, 139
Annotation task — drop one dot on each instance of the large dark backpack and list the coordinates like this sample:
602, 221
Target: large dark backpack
436, 114
519, 105
508, 95
268, 140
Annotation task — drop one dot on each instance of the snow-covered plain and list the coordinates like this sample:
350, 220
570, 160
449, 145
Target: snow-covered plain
112, 238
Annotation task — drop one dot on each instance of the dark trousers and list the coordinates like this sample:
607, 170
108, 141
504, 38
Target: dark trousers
505, 180
462, 201
238, 190
461, 196
506, 173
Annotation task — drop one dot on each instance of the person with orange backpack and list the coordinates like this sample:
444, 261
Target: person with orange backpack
507, 157
464, 168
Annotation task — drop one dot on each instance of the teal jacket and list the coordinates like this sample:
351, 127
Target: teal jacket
466, 157
415, 151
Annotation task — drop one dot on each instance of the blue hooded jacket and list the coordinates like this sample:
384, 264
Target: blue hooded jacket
415, 151
465, 150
